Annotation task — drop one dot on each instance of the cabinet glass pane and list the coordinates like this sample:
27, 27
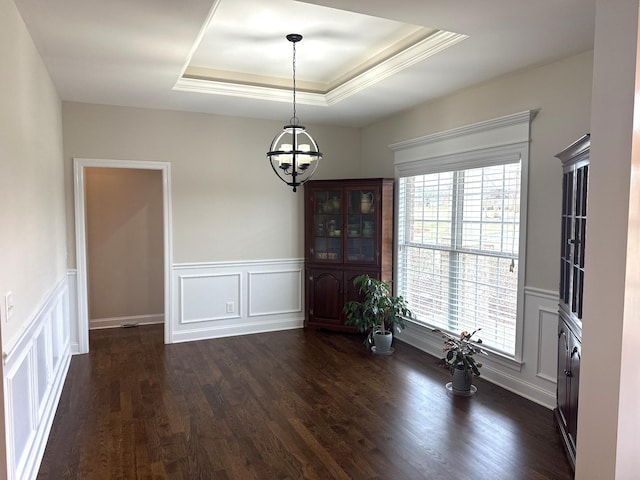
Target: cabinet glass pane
361, 201
565, 280
579, 192
566, 194
327, 202
583, 193
327, 225
360, 250
328, 249
583, 238
361, 225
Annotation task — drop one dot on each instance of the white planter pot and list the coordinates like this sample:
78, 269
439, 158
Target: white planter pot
382, 343
460, 383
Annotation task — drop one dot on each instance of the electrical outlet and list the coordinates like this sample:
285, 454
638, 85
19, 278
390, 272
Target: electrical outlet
230, 307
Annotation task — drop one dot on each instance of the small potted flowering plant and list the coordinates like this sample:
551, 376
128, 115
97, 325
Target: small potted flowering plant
460, 361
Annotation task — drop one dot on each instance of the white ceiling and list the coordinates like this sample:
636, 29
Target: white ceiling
360, 68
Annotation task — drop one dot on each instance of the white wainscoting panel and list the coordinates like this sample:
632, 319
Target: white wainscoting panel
221, 299
534, 376
548, 344
35, 367
204, 297
73, 328
267, 297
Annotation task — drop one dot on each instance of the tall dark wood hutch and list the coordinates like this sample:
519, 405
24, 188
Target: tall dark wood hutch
348, 232
575, 181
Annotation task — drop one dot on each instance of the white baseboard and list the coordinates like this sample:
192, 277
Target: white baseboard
238, 329
134, 320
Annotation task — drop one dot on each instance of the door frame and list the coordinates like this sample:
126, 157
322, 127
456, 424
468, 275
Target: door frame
79, 166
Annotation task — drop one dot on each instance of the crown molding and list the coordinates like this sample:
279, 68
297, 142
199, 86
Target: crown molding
257, 92
415, 53
408, 57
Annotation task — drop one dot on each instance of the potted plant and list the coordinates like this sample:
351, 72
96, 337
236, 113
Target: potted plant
378, 314
460, 361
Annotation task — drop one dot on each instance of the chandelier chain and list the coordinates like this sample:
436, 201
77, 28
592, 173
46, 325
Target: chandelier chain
295, 118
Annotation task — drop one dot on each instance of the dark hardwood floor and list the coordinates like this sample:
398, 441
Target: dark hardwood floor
286, 405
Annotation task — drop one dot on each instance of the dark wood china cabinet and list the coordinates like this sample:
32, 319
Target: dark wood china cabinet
575, 181
348, 232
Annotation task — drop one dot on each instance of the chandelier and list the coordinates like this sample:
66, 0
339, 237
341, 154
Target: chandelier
294, 155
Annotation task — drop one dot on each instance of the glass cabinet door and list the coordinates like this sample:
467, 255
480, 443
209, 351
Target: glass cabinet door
361, 225
579, 235
327, 217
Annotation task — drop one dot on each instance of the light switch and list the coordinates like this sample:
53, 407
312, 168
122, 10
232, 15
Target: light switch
8, 306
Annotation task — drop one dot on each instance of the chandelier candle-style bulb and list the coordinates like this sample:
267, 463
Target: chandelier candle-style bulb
294, 154
304, 159
284, 159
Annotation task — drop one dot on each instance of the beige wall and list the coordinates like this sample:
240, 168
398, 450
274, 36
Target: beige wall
609, 413
562, 92
32, 214
124, 242
227, 204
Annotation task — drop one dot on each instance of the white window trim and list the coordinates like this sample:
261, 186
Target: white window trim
500, 140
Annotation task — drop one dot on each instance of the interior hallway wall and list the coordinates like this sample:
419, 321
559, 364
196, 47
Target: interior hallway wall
124, 246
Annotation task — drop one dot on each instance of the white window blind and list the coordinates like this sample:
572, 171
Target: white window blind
458, 250
461, 230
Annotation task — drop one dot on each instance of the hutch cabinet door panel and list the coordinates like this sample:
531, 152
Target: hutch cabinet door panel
563, 368
362, 225
325, 297
326, 223
574, 368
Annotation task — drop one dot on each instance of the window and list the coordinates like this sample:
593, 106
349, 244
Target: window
458, 250
460, 240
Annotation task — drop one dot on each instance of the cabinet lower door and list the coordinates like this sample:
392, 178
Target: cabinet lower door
325, 297
574, 368
563, 368
568, 385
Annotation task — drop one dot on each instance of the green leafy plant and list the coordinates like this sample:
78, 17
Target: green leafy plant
460, 352
379, 312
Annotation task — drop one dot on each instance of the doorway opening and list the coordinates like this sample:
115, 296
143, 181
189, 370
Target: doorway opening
86, 170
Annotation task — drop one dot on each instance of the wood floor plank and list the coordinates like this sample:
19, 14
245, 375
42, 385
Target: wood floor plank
286, 405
